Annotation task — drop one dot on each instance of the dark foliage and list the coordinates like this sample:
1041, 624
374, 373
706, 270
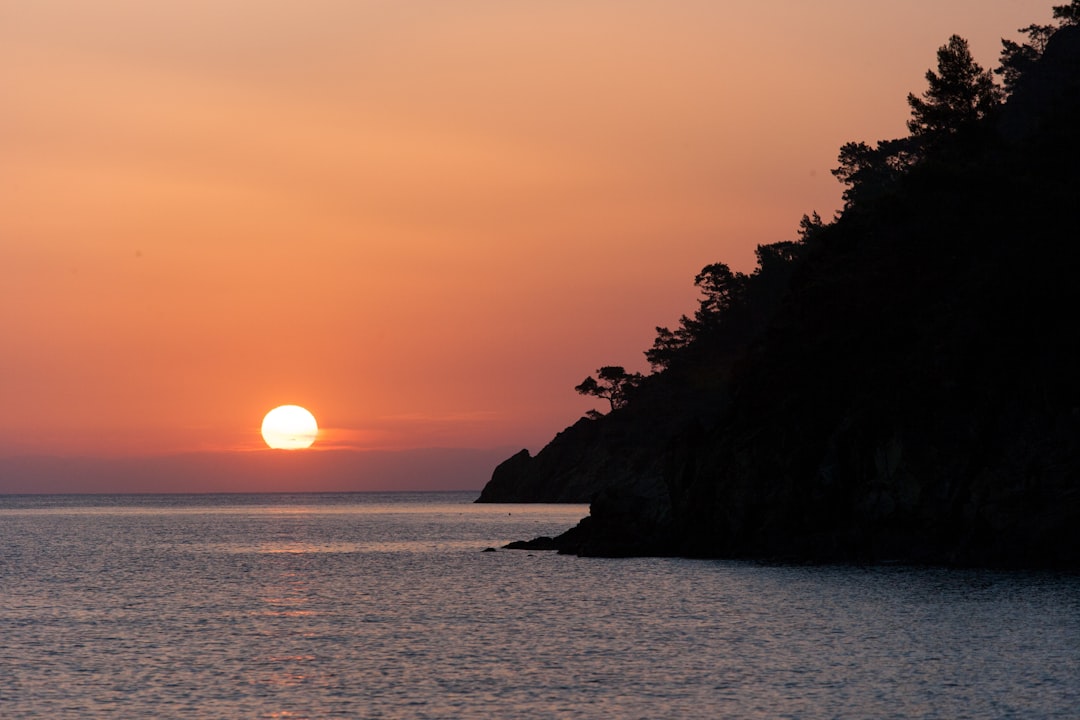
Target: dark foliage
959, 95
615, 385
896, 384
1018, 58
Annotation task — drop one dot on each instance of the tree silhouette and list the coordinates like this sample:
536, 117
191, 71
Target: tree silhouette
1017, 58
1068, 14
916, 319
721, 290
960, 93
613, 385
668, 344
810, 227
871, 171
733, 305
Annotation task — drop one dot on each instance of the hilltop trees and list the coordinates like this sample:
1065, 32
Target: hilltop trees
1068, 14
869, 171
614, 385
950, 121
895, 385
1017, 58
733, 305
723, 292
960, 94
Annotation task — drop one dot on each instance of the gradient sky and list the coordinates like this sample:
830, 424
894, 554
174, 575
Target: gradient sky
425, 221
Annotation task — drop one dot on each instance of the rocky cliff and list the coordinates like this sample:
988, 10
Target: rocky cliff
915, 398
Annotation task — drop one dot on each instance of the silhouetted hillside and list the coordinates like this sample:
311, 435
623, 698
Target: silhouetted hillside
898, 384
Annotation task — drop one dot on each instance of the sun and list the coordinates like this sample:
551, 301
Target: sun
289, 427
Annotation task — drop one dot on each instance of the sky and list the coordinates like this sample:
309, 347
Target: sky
424, 221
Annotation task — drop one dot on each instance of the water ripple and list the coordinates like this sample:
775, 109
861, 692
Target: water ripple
356, 607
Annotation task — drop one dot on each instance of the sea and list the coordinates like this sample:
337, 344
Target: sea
390, 605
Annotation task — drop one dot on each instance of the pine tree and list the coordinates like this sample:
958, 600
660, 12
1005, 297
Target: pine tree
960, 93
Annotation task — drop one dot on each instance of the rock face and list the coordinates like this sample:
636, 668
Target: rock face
588, 458
565, 471
916, 398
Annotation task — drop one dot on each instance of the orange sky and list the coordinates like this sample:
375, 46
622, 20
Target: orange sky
425, 221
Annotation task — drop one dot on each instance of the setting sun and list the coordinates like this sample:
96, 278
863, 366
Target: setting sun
289, 427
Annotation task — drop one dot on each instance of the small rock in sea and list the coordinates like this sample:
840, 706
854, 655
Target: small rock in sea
541, 543
489, 549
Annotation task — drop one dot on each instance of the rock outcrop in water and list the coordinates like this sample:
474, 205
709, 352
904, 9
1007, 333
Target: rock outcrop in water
912, 395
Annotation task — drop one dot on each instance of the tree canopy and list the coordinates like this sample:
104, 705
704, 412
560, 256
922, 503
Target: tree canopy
960, 101
614, 385
960, 94
1017, 58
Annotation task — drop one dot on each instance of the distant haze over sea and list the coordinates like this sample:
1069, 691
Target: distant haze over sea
257, 471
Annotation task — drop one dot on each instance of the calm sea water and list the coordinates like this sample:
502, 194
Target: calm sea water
385, 606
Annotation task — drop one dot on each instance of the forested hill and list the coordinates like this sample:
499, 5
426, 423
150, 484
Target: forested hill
898, 384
